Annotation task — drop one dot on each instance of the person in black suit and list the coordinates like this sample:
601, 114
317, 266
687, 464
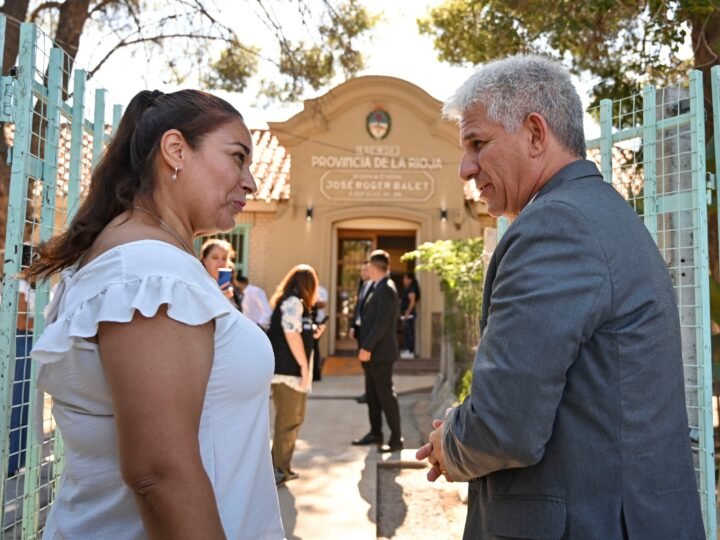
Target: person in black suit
378, 351
364, 284
363, 287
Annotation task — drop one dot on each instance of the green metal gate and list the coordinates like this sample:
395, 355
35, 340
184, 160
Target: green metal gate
52, 153
652, 149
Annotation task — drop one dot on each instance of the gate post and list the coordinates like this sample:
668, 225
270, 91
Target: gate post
76, 143
22, 114
702, 315
649, 147
606, 142
33, 466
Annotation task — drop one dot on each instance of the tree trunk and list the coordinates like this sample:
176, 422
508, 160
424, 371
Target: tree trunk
73, 16
15, 9
706, 46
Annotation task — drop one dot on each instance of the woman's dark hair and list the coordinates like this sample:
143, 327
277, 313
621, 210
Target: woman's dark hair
126, 169
213, 243
301, 280
413, 281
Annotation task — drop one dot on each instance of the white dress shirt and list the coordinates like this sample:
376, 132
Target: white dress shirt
255, 306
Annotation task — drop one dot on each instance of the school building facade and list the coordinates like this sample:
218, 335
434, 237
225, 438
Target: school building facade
368, 165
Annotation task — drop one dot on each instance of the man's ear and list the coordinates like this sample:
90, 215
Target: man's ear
539, 133
172, 149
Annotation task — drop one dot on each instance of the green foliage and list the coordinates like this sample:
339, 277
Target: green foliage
302, 64
623, 44
459, 266
184, 34
463, 387
232, 70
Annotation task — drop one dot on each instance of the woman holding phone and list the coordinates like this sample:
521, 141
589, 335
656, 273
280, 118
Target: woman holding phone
166, 428
216, 256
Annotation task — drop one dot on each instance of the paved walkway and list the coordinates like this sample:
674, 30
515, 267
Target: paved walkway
336, 492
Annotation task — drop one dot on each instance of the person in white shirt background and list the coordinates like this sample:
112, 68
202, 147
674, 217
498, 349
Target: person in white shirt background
255, 305
319, 320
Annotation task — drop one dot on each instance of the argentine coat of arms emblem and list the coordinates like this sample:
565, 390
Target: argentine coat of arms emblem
378, 124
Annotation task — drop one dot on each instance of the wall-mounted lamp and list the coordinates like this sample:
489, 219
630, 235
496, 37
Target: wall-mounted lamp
309, 213
443, 215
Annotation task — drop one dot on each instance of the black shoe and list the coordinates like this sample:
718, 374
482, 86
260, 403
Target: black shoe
368, 439
393, 446
361, 399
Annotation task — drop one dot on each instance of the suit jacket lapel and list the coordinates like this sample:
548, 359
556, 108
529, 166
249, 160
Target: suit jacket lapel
487, 290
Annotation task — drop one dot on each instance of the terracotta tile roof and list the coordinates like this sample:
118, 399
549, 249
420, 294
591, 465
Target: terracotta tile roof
271, 167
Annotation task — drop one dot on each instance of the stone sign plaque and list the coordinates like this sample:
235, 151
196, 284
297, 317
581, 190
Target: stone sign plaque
377, 185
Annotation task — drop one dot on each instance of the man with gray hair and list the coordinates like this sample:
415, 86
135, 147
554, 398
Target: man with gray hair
575, 427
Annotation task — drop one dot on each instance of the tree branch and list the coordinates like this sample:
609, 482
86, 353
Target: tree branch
154, 39
703, 43
43, 7
100, 6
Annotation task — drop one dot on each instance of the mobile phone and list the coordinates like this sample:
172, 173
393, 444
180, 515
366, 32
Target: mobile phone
224, 276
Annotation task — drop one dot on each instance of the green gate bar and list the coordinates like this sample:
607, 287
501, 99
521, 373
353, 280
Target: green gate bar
715, 76
23, 115
117, 115
704, 351
76, 143
98, 126
31, 500
649, 165
606, 139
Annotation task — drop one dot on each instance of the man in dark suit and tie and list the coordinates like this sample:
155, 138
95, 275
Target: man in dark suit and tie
363, 287
575, 426
378, 351
362, 293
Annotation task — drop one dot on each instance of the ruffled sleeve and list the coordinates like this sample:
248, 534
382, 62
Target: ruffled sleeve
120, 284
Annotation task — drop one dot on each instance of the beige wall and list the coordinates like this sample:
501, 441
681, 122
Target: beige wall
334, 125
260, 249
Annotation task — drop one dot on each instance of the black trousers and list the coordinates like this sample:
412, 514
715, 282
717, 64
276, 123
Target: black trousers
381, 398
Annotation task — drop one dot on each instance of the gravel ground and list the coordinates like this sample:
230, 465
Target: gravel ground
408, 506
411, 508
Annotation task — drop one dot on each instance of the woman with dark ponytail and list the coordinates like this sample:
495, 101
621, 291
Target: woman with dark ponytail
165, 428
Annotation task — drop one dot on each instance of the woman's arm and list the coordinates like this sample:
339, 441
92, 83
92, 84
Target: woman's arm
295, 342
157, 370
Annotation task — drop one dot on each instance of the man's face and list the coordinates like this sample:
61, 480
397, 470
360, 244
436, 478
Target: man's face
364, 272
375, 273
498, 162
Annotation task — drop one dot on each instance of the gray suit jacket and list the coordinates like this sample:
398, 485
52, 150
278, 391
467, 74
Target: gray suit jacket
576, 425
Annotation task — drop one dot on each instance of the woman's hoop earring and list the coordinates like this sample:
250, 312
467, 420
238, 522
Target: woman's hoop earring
174, 175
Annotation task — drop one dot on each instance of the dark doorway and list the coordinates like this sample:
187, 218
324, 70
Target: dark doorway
354, 247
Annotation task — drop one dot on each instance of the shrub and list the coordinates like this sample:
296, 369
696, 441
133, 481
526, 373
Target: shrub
459, 266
